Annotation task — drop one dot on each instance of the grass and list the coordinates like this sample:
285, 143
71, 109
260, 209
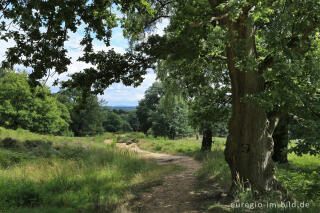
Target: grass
301, 177
214, 165
40, 173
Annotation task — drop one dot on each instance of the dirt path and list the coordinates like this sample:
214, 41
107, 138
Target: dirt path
176, 194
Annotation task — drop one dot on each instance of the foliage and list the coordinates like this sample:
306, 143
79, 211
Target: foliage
34, 109
148, 105
304, 130
201, 79
40, 30
171, 121
116, 121
86, 116
112, 123
158, 118
133, 120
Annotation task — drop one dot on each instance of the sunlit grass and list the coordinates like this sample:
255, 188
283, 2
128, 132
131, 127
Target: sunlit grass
70, 177
301, 176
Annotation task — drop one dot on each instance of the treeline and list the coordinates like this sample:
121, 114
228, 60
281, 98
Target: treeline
159, 113
65, 113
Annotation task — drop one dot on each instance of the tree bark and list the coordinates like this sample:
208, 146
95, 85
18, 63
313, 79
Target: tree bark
206, 140
197, 136
249, 144
281, 139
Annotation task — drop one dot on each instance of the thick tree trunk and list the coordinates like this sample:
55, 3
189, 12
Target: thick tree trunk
249, 144
206, 140
281, 139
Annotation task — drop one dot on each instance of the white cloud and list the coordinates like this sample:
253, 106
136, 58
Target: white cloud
118, 94
160, 26
4, 46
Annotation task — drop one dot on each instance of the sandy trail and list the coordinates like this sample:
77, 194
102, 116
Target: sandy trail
176, 194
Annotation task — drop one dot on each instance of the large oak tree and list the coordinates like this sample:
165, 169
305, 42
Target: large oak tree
270, 46
271, 49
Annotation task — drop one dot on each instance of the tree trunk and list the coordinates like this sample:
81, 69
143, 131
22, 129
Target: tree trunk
281, 139
206, 140
249, 144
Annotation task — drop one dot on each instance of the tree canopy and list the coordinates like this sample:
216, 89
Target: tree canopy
40, 29
34, 109
271, 52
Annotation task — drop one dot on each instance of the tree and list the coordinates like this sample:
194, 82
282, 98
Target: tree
270, 58
116, 121
86, 118
171, 120
40, 29
162, 118
206, 92
112, 122
148, 105
208, 111
33, 109
133, 120
304, 126
281, 140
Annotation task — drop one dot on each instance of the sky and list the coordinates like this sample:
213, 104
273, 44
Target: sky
117, 94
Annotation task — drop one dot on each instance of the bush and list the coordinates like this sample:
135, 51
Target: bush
9, 143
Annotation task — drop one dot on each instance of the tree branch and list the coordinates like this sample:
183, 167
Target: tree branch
156, 19
267, 62
219, 57
164, 4
224, 16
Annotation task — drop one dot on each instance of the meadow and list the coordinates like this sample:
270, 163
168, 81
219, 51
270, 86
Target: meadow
43, 173
40, 173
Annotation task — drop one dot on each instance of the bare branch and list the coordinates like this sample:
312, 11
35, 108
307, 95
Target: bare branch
156, 19
3, 8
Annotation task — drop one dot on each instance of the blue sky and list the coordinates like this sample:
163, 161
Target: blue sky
117, 94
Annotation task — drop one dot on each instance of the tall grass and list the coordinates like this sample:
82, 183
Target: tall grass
41, 173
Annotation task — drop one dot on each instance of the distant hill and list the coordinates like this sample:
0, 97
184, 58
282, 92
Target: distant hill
124, 108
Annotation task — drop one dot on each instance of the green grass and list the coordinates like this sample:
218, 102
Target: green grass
40, 173
301, 177
187, 146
